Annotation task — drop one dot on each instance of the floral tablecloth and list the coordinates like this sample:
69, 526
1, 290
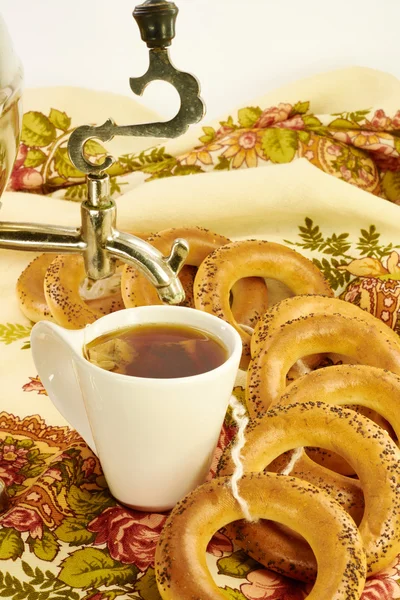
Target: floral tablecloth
361, 147
63, 535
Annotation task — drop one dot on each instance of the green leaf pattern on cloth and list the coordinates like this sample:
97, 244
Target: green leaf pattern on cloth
37, 130
146, 586
11, 332
91, 567
60, 119
46, 547
279, 145
73, 531
360, 147
232, 594
238, 564
11, 544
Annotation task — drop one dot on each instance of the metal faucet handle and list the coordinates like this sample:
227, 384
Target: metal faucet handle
98, 239
156, 20
178, 255
174, 293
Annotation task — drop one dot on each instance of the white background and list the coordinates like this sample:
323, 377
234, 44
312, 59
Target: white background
238, 49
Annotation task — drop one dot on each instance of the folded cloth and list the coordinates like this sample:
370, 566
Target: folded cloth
359, 144
64, 535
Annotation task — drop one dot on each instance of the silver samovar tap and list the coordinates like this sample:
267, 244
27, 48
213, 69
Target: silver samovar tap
97, 239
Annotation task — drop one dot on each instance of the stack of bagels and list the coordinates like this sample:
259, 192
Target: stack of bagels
321, 480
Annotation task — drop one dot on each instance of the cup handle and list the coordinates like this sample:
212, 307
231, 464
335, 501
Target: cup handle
54, 350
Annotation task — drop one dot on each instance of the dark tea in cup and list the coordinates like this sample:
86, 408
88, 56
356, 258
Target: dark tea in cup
157, 351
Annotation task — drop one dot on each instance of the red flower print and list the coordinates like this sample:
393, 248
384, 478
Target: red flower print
274, 114
396, 120
12, 459
294, 123
380, 120
387, 163
382, 586
346, 173
335, 150
383, 150
381, 589
24, 519
265, 585
219, 544
352, 293
9, 477
88, 466
98, 596
392, 570
369, 283
227, 433
377, 142
244, 145
11, 454
131, 536
341, 136
54, 474
35, 385
223, 130
25, 178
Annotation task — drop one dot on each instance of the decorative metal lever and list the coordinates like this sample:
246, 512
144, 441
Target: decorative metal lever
98, 240
156, 20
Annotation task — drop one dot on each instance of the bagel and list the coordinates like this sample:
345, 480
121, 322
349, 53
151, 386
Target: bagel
31, 295
373, 455
249, 296
30, 289
347, 385
180, 564
367, 342
62, 284
303, 306
225, 266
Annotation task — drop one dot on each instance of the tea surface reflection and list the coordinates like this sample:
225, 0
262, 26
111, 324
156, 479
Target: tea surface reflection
157, 351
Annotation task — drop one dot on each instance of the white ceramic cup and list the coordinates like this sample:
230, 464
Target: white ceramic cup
155, 438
